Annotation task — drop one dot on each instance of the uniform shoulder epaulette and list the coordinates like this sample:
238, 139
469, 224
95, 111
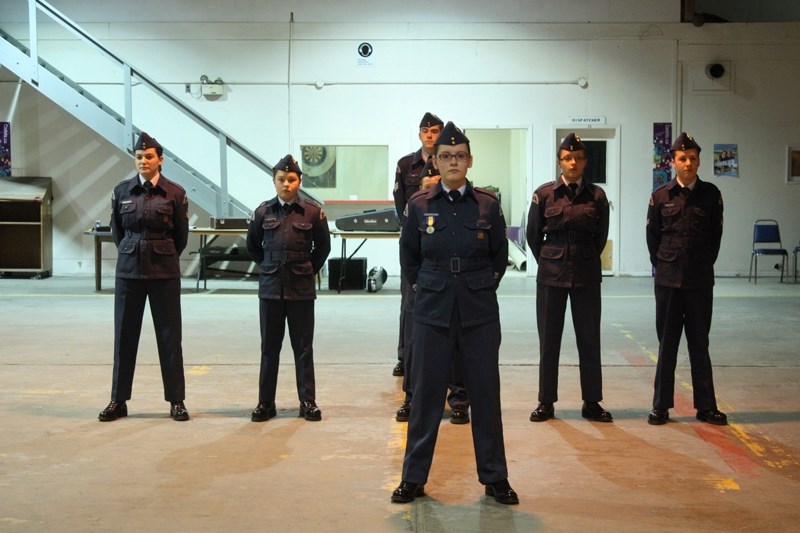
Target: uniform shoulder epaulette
418, 193
661, 187
485, 191
310, 202
549, 184
171, 183
406, 157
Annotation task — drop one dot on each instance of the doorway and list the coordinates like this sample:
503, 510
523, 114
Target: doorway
502, 162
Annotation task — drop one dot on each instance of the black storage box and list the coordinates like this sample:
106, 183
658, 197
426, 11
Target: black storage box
229, 223
355, 274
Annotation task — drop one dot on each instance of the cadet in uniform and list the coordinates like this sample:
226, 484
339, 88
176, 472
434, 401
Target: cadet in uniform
150, 227
453, 252
406, 183
288, 238
457, 398
684, 231
567, 231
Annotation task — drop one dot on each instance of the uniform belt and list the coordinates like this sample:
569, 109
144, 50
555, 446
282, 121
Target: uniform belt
681, 241
150, 235
287, 255
567, 237
455, 265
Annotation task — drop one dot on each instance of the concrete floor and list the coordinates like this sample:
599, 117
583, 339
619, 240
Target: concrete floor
62, 470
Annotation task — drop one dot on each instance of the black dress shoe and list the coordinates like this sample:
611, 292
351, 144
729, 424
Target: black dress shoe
593, 411
263, 412
543, 412
459, 415
178, 412
406, 492
399, 369
658, 417
404, 412
713, 416
502, 493
113, 411
310, 411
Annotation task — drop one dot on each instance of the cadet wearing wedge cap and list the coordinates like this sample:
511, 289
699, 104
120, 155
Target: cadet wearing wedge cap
150, 227
684, 232
406, 183
289, 240
457, 398
453, 253
567, 231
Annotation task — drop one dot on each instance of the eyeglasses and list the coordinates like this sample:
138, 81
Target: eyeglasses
577, 159
445, 157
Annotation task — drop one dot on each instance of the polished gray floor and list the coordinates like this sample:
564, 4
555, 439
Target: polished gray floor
62, 470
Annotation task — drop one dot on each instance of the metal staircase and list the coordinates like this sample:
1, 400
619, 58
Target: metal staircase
118, 127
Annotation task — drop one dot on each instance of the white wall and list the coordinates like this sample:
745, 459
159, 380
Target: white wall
474, 73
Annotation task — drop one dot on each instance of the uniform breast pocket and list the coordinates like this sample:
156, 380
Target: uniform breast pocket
554, 214
164, 214
591, 216
128, 214
700, 219
434, 234
479, 234
302, 232
270, 228
669, 213
411, 181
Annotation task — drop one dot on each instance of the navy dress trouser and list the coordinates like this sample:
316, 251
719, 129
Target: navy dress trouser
165, 308
431, 367
689, 311
275, 314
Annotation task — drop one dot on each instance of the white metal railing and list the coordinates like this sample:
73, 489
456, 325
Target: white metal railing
132, 80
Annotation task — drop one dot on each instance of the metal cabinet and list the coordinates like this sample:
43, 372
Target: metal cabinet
26, 226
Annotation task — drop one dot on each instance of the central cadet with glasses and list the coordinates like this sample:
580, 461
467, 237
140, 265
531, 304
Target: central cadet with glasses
454, 252
567, 231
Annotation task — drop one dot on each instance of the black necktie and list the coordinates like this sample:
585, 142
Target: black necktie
454, 195
148, 185
685, 191
573, 187
286, 208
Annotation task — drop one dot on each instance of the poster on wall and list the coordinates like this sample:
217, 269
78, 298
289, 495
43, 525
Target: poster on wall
5, 149
662, 141
726, 160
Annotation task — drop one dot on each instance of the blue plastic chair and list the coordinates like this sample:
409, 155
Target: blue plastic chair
766, 232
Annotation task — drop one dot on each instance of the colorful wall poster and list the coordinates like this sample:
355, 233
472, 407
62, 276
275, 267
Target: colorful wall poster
5, 148
726, 160
662, 142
